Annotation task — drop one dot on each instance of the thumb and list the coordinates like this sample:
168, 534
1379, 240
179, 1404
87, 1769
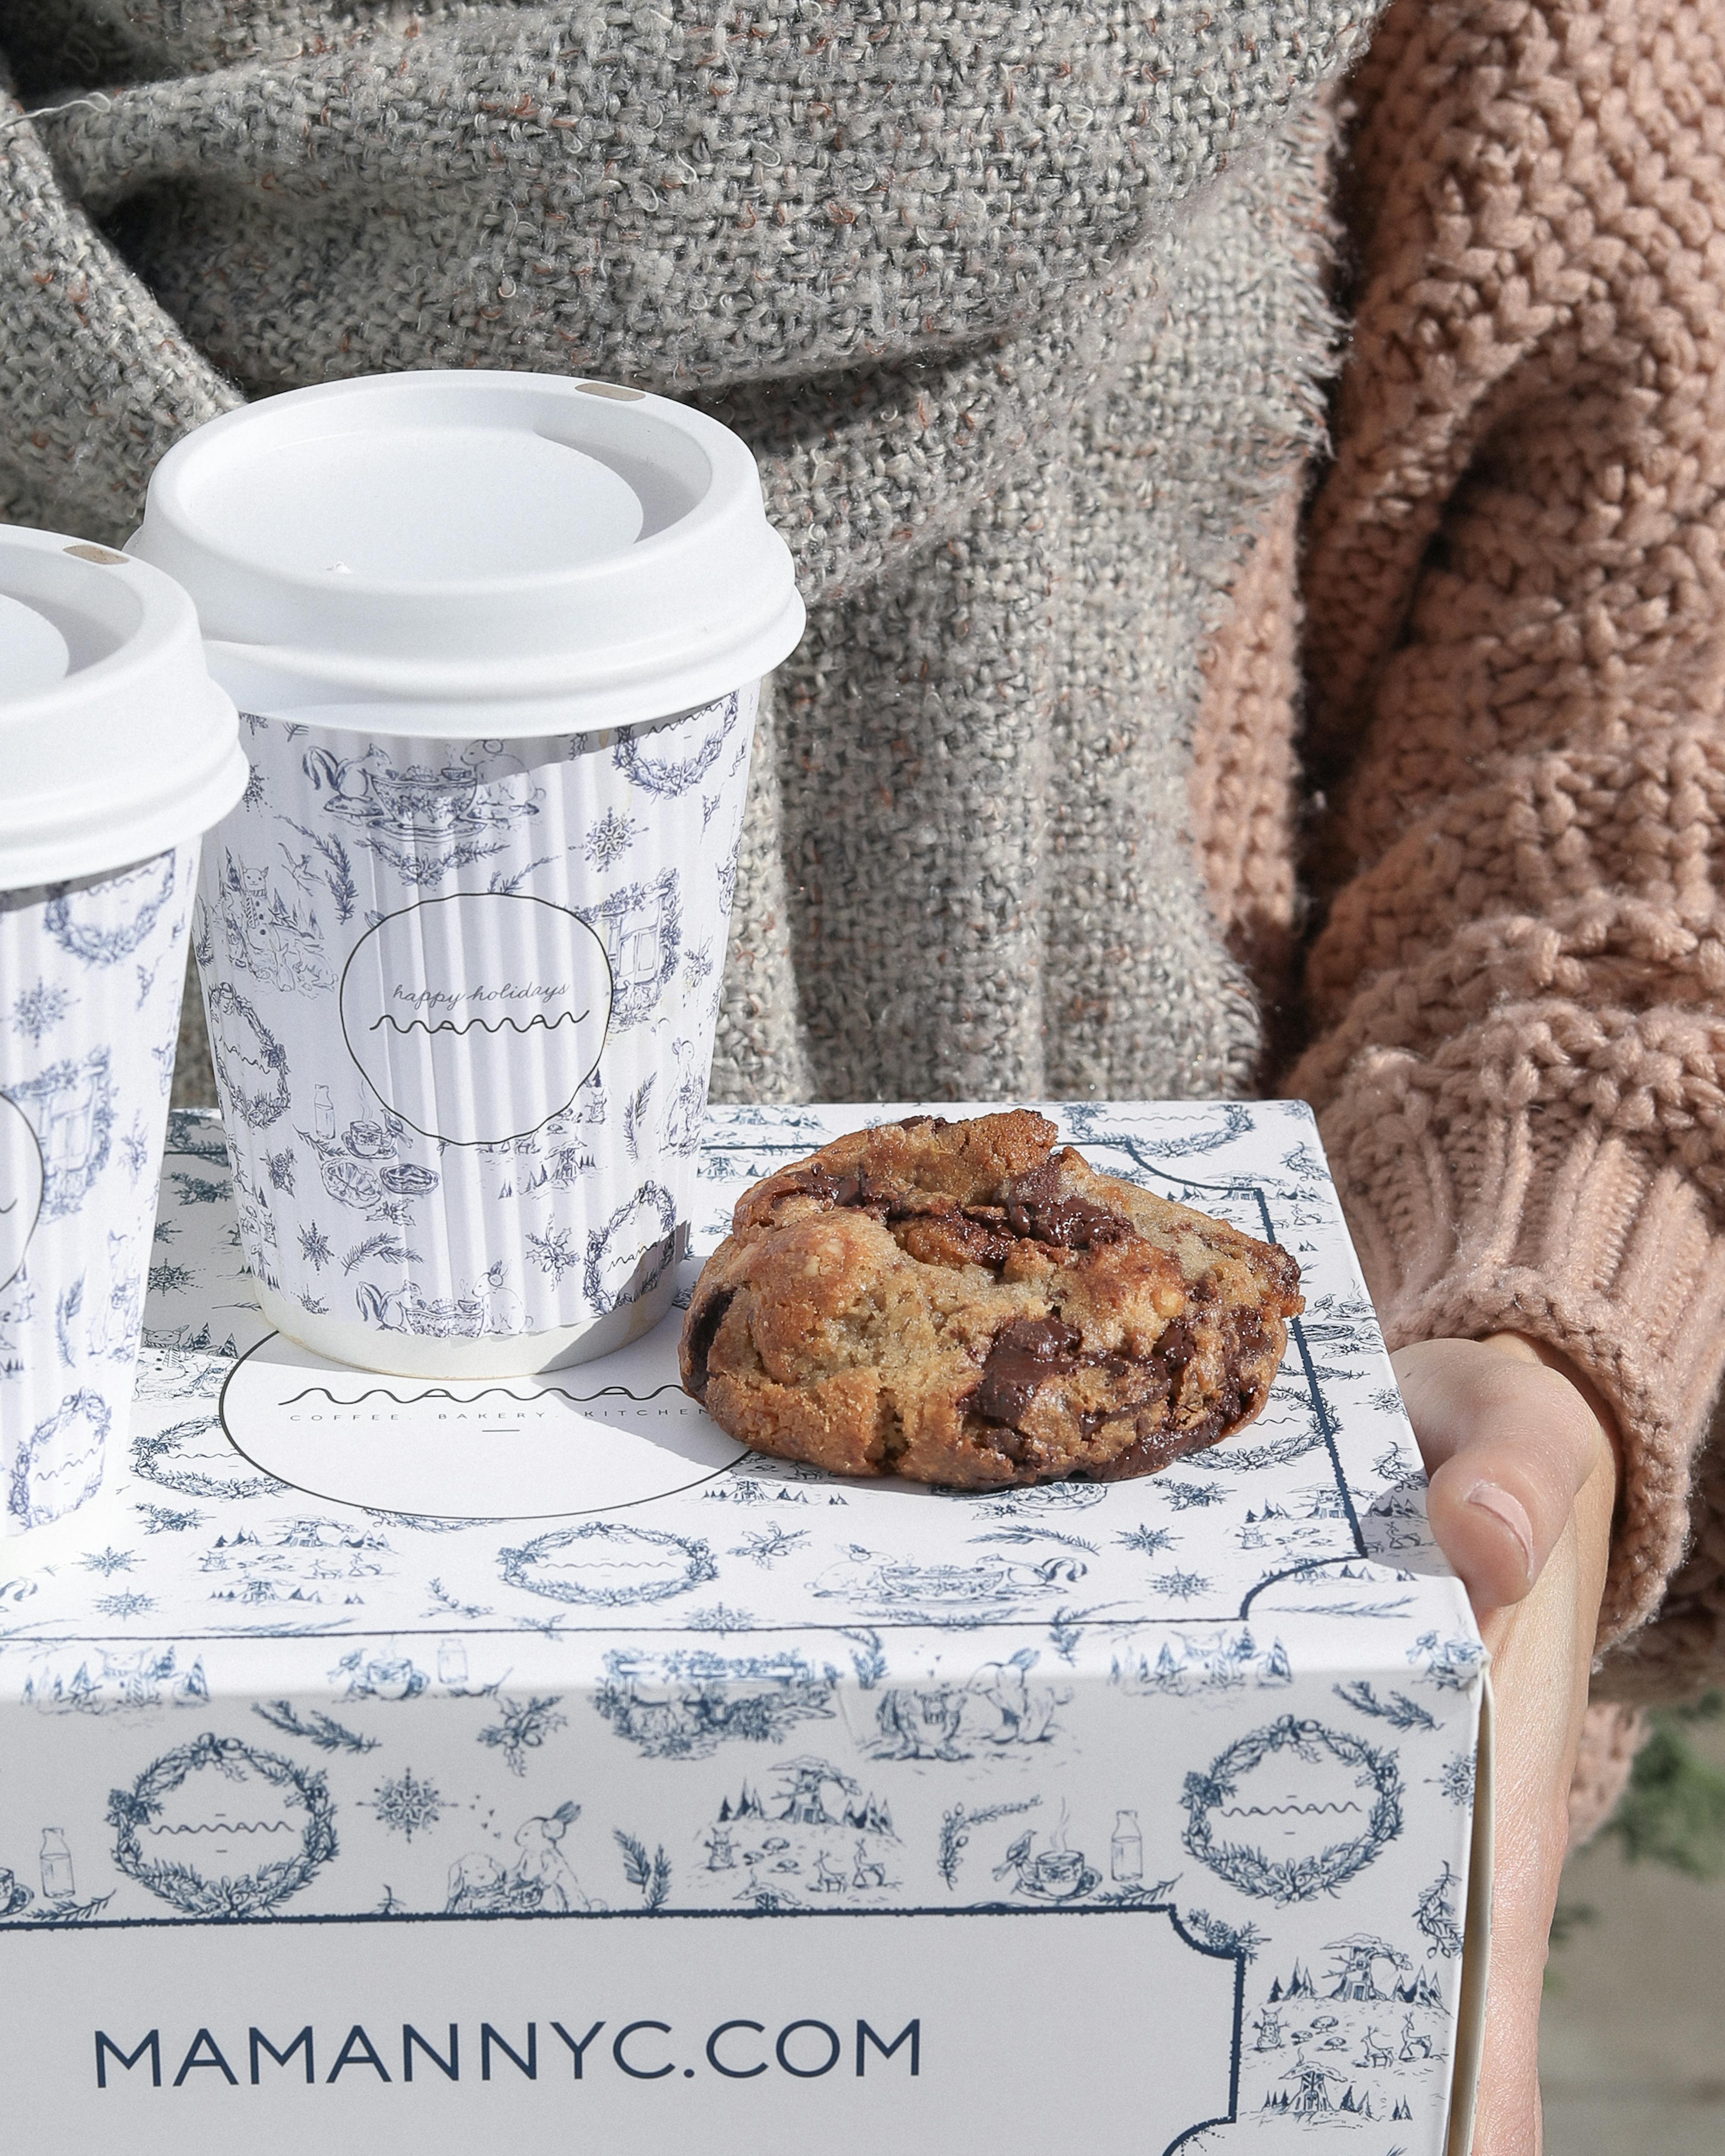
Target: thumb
1508, 1440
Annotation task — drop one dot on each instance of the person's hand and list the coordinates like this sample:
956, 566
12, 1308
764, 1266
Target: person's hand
1522, 1455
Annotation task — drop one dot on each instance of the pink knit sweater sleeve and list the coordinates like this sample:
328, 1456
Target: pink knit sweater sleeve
1515, 647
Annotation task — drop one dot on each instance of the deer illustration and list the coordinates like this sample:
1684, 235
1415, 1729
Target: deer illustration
1377, 2052
826, 1879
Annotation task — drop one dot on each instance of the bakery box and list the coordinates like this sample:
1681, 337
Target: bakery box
691, 1799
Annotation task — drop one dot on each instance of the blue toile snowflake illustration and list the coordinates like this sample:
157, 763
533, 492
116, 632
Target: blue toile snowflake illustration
314, 1247
609, 839
552, 1253
1150, 1540
1454, 1778
408, 1806
1184, 1495
39, 1009
107, 1562
171, 1280
1180, 1586
127, 1604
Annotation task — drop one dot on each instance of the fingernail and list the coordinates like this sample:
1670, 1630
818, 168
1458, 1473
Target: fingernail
1498, 1502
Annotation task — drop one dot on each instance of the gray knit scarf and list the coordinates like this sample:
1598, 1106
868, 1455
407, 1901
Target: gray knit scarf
1022, 309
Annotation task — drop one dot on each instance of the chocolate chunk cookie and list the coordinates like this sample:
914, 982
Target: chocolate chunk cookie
959, 1303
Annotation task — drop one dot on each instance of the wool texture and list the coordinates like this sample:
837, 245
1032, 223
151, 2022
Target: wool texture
1029, 317
1516, 653
1022, 309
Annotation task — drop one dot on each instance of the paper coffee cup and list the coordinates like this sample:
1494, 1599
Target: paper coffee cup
497, 641
117, 749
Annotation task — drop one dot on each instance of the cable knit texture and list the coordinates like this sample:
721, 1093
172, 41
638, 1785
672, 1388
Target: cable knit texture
1025, 312
1244, 787
1515, 651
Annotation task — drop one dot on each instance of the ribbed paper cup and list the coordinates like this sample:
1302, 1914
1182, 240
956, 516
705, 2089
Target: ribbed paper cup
461, 1001
116, 750
500, 638
90, 974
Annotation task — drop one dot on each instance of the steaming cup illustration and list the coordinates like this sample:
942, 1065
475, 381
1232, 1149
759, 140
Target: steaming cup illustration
121, 750
473, 1014
1059, 1873
498, 640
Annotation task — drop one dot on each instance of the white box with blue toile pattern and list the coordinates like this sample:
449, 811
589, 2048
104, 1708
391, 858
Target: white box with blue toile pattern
689, 1797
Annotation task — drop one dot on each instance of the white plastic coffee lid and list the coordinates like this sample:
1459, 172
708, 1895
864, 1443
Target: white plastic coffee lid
115, 742
588, 552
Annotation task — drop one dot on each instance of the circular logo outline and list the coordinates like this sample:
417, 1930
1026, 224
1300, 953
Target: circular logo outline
6, 1102
444, 1521
451, 898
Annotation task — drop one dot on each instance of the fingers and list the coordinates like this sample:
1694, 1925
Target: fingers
1507, 1443
1540, 1657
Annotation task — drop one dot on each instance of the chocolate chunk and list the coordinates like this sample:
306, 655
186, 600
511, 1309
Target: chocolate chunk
1024, 1354
924, 1123
832, 1189
704, 1323
1069, 1223
1036, 1208
947, 1237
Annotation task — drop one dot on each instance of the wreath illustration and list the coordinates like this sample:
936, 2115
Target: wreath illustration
1299, 1878
154, 1455
668, 776
253, 1894
652, 1211
689, 1561
82, 1406
97, 946
259, 1094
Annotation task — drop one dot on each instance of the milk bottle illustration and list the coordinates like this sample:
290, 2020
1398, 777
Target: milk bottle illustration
58, 1882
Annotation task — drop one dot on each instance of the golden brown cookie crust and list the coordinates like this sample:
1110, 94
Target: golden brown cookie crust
959, 1303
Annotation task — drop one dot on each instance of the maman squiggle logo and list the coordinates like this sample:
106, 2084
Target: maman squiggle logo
476, 1024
